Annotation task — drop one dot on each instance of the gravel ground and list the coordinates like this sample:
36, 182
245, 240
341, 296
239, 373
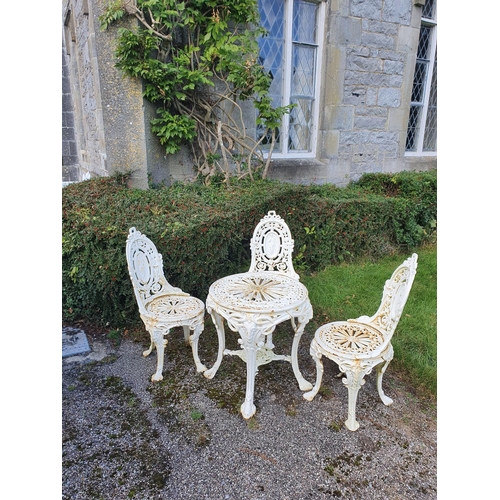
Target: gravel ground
184, 438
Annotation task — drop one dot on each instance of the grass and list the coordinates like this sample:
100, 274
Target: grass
352, 290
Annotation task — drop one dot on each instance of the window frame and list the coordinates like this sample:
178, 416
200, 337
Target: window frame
284, 151
431, 23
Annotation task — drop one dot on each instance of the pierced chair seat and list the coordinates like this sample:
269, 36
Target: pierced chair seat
161, 306
176, 308
350, 339
359, 345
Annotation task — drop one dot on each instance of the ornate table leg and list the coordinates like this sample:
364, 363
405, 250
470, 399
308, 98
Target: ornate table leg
219, 325
192, 340
251, 342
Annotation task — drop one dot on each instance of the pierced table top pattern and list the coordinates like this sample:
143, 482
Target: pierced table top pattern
258, 292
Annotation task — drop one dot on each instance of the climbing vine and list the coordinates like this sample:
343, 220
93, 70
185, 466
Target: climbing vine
199, 61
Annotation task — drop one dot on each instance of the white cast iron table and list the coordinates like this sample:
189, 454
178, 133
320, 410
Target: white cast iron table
253, 303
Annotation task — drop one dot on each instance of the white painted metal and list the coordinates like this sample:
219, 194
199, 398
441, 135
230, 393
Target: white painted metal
359, 345
161, 306
255, 302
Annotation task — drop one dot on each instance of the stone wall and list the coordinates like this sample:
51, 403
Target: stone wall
108, 108
368, 63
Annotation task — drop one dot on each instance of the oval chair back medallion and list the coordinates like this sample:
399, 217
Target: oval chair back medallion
272, 246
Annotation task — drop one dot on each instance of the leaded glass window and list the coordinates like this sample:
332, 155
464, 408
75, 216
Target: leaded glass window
421, 135
291, 55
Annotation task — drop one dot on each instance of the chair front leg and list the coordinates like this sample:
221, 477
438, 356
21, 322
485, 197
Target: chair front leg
316, 355
159, 340
354, 379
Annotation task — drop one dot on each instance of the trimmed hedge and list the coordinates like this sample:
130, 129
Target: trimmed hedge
203, 232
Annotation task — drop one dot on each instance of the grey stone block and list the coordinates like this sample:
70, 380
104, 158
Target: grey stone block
357, 63
378, 40
354, 95
392, 55
68, 134
366, 9
380, 27
397, 11
382, 137
394, 67
347, 31
390, 97
371, 111
370, 123
67, 102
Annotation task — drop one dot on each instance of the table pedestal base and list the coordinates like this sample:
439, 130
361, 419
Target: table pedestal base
255, 352
264, 356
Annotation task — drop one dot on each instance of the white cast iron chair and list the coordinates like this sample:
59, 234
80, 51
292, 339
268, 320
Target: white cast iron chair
272, 248
359, 345
161, 306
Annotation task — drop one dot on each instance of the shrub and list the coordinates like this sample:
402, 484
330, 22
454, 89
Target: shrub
203, 232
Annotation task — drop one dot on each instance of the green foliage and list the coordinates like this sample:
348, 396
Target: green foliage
173, 129
203, 233
197, 58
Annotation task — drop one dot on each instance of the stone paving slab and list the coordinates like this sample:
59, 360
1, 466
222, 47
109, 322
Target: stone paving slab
74, 341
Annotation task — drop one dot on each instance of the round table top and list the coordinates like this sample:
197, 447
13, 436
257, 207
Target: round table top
264, 292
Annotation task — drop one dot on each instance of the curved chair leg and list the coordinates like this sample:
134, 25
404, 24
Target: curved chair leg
354, 381
193, 340
380, 374
219, 325
319, 371
160, 342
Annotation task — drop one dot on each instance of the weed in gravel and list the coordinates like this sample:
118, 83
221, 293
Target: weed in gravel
335, 425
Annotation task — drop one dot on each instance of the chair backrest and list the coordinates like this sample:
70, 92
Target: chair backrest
272, 246
394, 297
145, 266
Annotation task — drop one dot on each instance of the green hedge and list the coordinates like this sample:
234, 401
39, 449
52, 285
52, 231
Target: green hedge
203, 232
